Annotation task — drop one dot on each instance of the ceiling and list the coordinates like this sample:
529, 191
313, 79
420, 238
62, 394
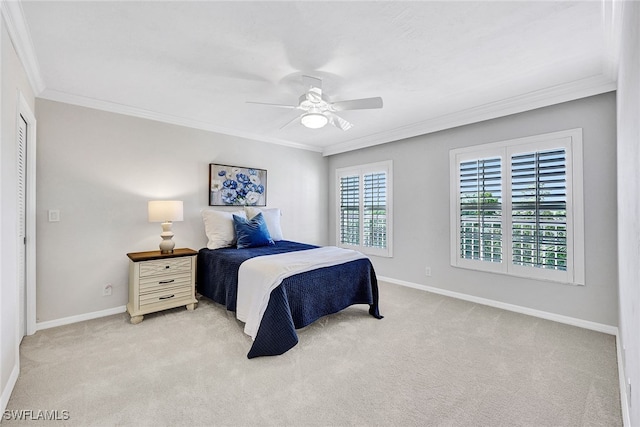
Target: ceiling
435, 64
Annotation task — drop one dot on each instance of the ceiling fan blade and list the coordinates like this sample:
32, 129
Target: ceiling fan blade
357, 104
290, 121
272, 105
338, 121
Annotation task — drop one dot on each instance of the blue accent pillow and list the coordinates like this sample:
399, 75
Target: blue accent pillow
252, 232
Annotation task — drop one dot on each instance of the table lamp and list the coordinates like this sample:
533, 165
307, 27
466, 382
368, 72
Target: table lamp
165, 211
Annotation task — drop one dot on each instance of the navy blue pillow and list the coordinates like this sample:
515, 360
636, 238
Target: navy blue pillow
252, 232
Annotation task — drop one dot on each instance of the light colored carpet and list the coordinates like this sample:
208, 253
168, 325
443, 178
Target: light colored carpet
432, 361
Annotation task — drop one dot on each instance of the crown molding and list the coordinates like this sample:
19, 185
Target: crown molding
22, 43
606, 82
21, 39
537, 99
541, 98
113, 107
612, 36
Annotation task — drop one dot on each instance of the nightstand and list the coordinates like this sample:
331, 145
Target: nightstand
160, 281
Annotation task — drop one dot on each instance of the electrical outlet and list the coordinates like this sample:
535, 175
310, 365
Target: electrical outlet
108, 289
427, 271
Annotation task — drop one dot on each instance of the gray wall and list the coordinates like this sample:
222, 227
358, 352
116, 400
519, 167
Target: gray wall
421, 210
629, 203
14, 81
100, 169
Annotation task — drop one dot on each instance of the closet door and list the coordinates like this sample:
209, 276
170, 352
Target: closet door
22, 221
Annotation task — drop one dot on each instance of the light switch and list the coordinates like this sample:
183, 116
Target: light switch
54, 215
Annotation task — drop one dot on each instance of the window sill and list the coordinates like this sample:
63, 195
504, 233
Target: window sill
532, 273
383, 253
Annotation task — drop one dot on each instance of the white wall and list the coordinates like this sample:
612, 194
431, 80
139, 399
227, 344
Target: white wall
421, 210
100, 169
14, 81
629, 203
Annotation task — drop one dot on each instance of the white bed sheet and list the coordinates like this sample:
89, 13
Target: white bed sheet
258, 276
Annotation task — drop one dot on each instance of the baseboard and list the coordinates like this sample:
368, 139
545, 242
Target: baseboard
79, 318
599, 327
586, 324
11, 383
624, 396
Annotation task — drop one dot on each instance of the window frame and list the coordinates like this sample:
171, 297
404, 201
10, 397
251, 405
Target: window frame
571, 141
360, 171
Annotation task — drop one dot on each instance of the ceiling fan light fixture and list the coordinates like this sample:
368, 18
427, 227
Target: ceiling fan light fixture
314, 120
318, 110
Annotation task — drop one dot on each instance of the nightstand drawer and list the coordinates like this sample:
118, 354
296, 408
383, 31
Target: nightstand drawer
149, 284
165, 266
168, 296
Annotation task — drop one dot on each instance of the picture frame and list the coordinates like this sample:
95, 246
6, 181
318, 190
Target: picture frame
237, 186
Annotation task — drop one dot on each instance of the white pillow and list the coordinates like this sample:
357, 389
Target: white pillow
218, 225
271, 217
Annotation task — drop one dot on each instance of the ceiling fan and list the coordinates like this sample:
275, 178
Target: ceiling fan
318, 110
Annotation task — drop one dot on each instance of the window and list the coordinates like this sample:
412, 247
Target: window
539, 209
516, 207
364, 208
480, 210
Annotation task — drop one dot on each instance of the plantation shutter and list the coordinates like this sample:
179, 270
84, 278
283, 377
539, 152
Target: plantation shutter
539, 209
375, 210
350, 210
22, 175
481, 209
22, 219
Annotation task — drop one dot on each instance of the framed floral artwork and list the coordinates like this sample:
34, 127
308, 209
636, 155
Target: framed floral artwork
237, 186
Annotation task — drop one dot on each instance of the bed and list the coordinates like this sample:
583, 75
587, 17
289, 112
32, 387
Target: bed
298, 300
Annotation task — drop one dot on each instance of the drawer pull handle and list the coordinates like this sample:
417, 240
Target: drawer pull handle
167, 266
168, 296
164, 282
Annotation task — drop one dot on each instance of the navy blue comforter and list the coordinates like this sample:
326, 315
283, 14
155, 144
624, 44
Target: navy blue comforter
298, 301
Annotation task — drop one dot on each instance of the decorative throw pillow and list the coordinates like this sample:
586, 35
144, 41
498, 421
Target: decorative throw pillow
218, 226
271, 217
252, 232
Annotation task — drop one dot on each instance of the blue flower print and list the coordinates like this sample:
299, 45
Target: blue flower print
242, 191
235, 186
242, 178
229, 195
229, 183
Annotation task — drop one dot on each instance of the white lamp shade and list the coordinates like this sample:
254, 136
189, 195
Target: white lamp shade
165, 211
